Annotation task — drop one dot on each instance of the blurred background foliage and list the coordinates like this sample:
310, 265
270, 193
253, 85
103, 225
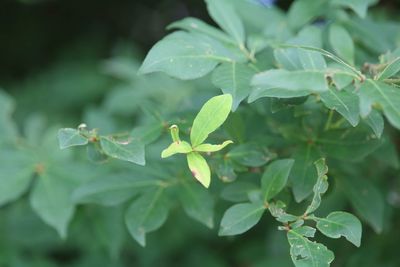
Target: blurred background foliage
73, 61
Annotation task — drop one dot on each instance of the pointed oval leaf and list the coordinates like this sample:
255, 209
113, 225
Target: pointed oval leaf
212, 148
388, 97
185, 56
275, 177
199, 168
224, 14
392, 69
233, 78
344, 102
181, 147
341, 42
213, 113
197, 203
195, 25
132, 152
240, 218
68, 137
340, 223
147, 214
360, 7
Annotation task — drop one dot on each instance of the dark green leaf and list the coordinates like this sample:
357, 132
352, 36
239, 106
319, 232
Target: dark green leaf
305, 253
197, 203
340, 223
275, 177
147, 214
240, 218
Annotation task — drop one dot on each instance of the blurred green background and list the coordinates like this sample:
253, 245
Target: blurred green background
60, 58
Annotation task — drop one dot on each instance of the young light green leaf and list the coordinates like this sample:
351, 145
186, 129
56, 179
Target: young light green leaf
320, 187
340, 223
147, 214
303, 175
392, 69
365, 198
341, 42
132, 152
195, 25
68, 137
388, 97
199, 168
175, 148
358, 6
213, 113
233, 78
344, 102
275, 177
224, 14
197, 203
240, 218
305, 253
185, 56
212, 148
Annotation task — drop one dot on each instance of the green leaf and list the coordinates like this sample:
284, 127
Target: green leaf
195, 25
375, 122
51, 197
113, 189
341, 42
16, 174
303, 175
320, 187
277, 210
275, 177
305, 253
340, 223
344, 102
199, 168
250, 154
197, 203
238, 191
365, 198
302, 12
386, 96
148, 133
224, 14
211, 116
68, 137
355, 145
240, 218
185, 56
299, 83
147, 214
360, 7
132, 152
175, 148
233, 78
212, 148
391, 69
